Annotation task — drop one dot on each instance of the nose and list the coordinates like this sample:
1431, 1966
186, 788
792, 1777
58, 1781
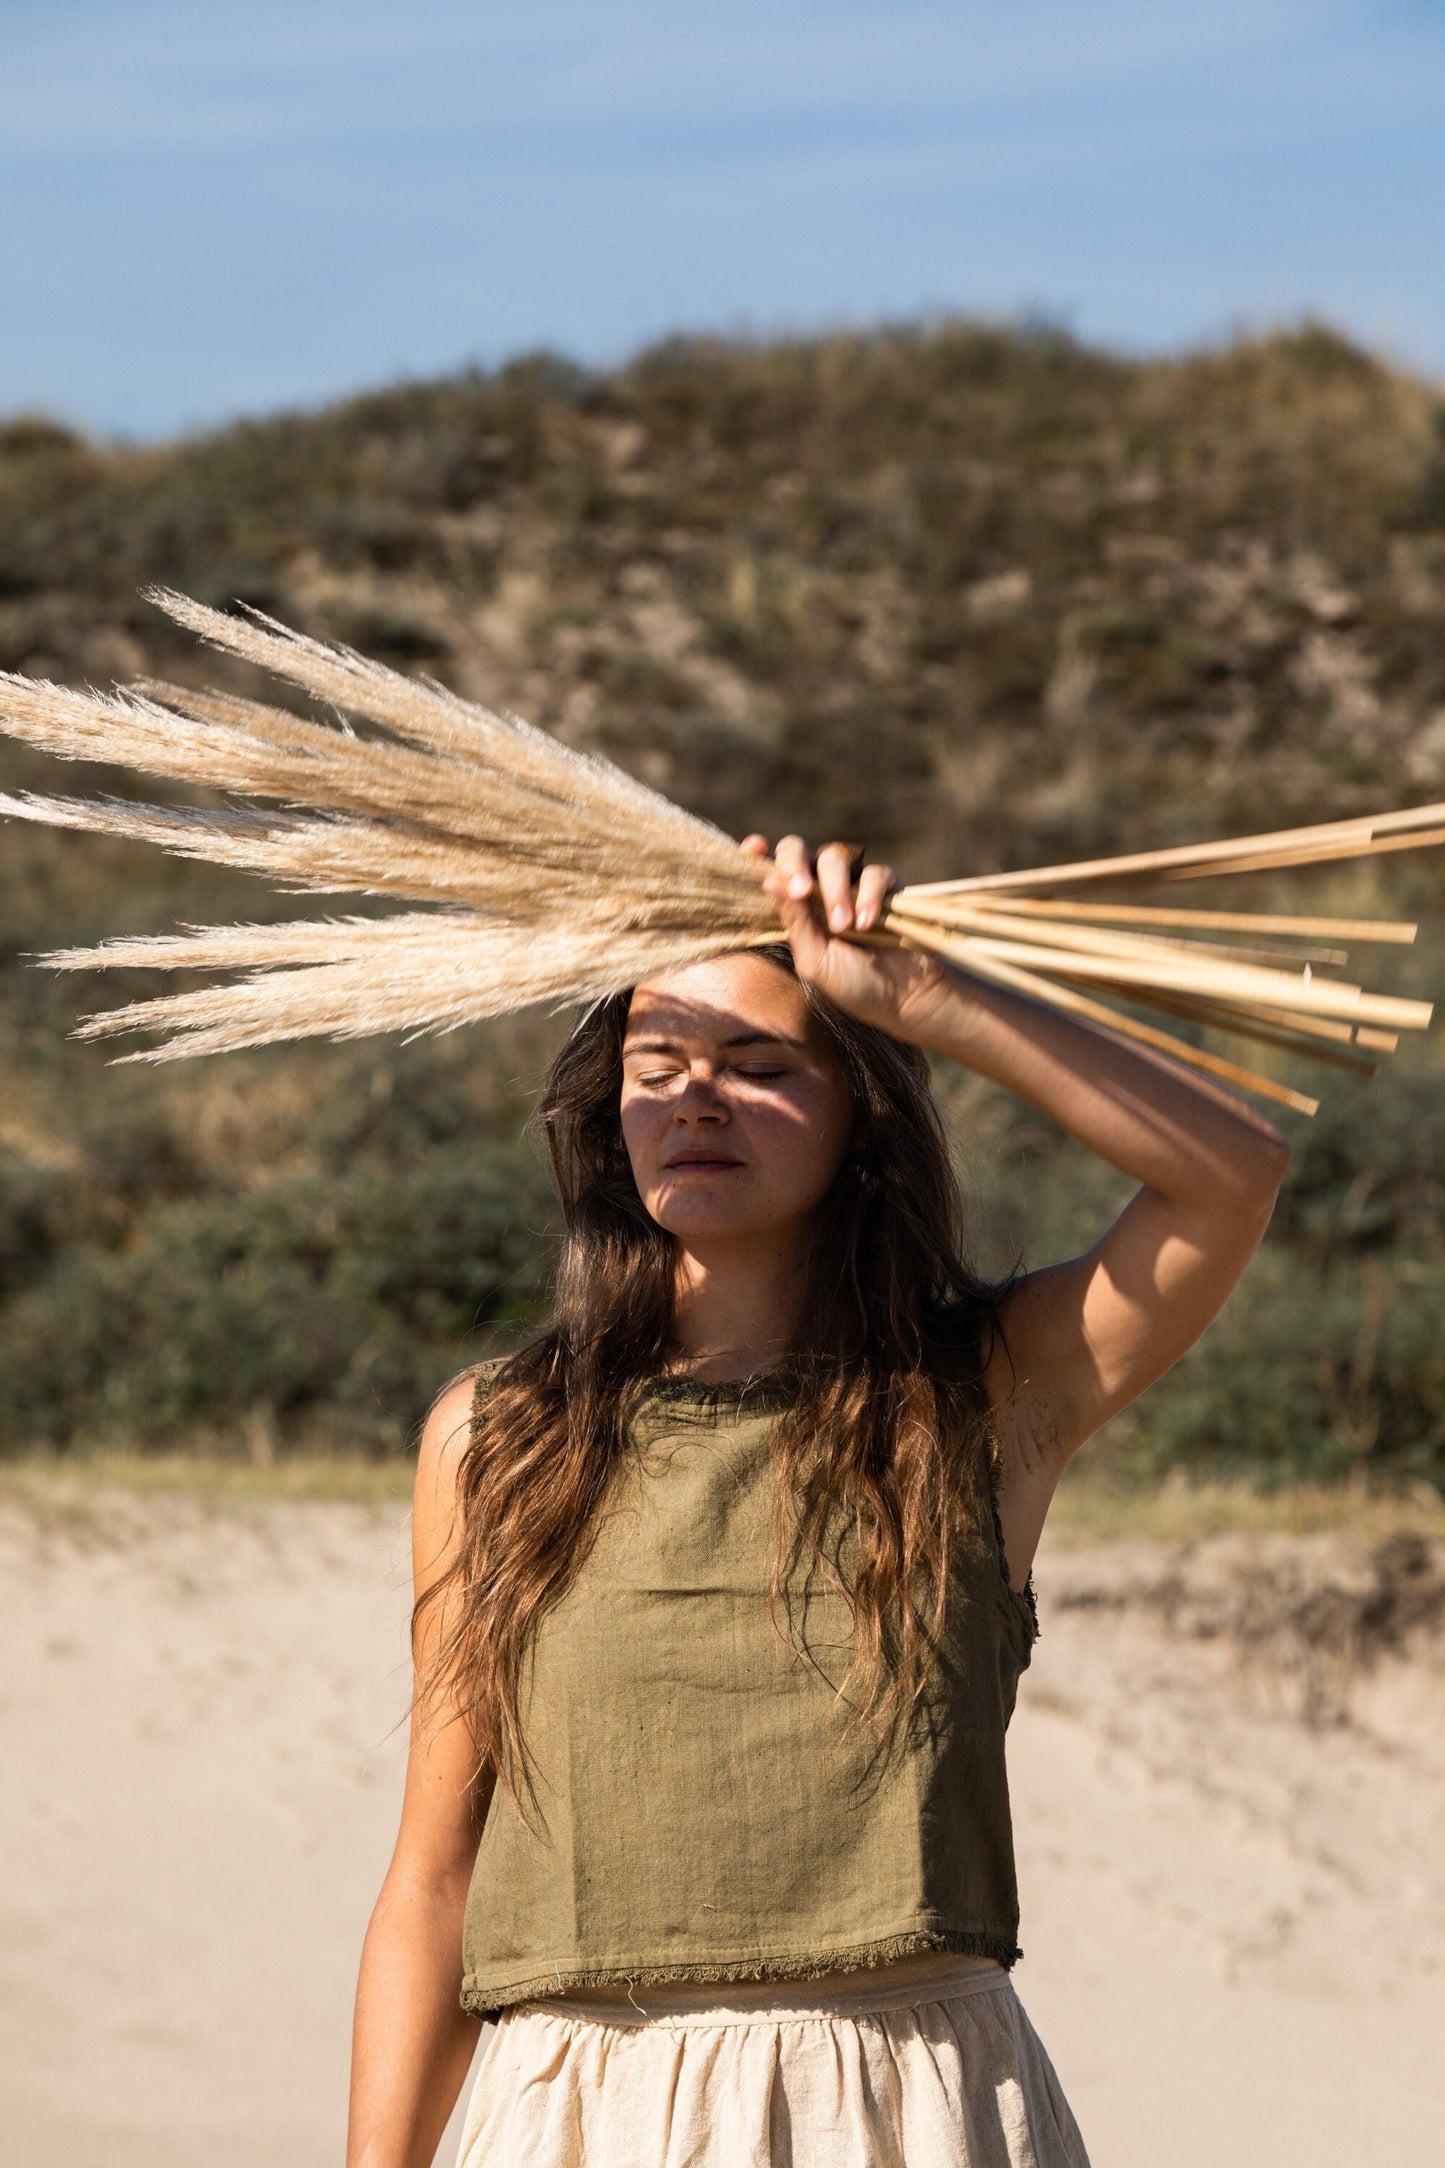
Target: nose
700, 1100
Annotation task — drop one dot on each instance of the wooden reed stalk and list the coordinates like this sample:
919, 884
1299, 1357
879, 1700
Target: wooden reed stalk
974, 916
1129, 1027
1269, 953
1000, 923
1363, 1007
1314, 997
1252, 1024
1138, 866
1314, 1027
1398, 931
1280, 861
1295, 846
1383, 1041
1239, 982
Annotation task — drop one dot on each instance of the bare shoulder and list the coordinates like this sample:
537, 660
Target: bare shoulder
447, 1429
445, 1436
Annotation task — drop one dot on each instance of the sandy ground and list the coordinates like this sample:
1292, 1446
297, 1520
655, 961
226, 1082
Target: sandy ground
1229, 1776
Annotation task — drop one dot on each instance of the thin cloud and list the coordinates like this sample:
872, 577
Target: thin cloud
211, 210
138, 75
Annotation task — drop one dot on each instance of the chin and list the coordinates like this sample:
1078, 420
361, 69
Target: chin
683, 1210
689, 1220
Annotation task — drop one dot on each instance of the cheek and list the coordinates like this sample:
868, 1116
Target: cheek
805, 1140
640, 1122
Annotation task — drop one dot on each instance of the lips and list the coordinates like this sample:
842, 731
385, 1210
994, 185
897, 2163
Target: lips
684, 1160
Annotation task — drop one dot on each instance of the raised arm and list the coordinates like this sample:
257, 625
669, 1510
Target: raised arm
1081, 1339
412, 2042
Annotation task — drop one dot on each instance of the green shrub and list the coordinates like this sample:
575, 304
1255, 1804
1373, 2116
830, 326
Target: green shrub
28, 1199
334, 1306
1310, 1375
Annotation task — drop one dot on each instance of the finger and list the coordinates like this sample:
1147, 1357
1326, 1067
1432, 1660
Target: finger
875, 885
835, 884
755, 845
805, 933
791, 859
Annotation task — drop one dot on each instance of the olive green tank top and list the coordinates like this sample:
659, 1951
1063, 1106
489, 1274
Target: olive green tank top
702, 1811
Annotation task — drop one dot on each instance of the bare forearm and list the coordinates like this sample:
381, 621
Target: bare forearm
412, 2042
1174, 1131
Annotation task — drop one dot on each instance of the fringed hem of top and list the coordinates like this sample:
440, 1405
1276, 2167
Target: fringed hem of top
489, 2001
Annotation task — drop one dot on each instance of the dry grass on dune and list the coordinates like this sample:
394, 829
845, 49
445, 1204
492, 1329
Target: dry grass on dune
987, 599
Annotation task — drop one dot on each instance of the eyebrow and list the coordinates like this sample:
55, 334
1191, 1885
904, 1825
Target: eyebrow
742, 1038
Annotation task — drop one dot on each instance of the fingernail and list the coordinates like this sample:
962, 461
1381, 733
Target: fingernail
800, 884
838, 916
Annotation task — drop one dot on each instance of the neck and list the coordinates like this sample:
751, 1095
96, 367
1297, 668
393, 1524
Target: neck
734, 1307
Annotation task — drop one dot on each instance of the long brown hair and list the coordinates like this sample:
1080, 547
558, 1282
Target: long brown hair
885, 1428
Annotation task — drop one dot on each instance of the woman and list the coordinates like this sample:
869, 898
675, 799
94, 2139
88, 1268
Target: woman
724, 1582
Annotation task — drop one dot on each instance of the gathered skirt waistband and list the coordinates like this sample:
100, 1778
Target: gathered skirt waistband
901, 1986
931, 2063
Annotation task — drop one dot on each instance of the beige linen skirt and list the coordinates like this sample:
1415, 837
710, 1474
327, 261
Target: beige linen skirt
931, 2064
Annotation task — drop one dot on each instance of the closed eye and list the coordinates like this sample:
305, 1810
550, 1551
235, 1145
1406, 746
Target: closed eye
665, 1076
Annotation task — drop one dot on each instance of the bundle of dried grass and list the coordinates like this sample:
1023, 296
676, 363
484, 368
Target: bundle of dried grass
551, 875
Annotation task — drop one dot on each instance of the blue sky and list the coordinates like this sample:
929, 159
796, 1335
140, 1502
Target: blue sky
208, 209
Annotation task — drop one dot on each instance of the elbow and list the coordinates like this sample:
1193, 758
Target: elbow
1242, 1169
1272, 1155
1257, 1173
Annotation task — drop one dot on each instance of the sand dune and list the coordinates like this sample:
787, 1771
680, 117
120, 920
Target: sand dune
1229, 1774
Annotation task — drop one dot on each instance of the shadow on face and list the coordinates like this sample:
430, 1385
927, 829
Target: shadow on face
736, 1110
